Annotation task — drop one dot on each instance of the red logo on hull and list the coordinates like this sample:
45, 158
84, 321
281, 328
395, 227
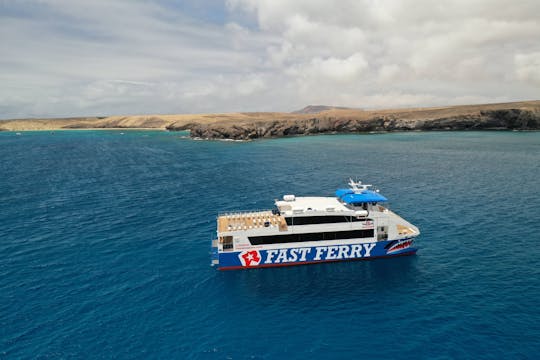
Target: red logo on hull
250, 258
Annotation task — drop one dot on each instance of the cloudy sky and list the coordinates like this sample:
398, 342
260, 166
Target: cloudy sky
67, 58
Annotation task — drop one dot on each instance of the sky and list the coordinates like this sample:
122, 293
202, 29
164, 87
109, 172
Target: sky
98, 58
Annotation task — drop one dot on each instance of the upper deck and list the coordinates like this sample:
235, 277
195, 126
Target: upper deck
349, 205
237, 221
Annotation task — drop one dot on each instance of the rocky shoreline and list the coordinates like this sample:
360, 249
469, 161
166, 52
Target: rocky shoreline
314, 119
511, 119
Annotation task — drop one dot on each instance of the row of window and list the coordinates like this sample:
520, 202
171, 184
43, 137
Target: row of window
319, 236
310, 220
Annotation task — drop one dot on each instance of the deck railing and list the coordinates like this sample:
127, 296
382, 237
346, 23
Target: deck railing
244, 212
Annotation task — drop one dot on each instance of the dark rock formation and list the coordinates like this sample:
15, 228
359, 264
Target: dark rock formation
510, 119
180, 127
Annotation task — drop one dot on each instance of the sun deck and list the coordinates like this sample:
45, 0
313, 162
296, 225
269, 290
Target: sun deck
405, 230
250, 220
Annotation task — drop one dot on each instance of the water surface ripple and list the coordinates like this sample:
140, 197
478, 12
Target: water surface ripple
104, 248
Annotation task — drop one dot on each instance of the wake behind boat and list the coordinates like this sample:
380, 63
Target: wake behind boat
353, 225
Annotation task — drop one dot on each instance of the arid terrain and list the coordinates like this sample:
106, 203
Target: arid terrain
310, 120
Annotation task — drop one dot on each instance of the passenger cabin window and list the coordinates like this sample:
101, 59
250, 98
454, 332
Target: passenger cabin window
311, 220
319, 236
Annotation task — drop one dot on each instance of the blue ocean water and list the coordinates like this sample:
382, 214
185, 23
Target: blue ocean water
104, 248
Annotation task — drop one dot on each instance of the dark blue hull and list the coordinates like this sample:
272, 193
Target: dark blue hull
259, 258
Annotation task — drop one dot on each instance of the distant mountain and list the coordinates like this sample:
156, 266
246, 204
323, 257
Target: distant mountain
315, 109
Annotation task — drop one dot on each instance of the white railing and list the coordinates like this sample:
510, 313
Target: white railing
245, 213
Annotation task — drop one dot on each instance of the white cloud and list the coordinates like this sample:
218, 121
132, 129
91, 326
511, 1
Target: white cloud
62, 58
332, 69
389, 73
250, 84
415, 53
528, 67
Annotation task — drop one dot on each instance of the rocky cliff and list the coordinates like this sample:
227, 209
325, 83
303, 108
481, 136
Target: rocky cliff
311, 120
507, 119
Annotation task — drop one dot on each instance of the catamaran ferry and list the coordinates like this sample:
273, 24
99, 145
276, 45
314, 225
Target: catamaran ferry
353, 225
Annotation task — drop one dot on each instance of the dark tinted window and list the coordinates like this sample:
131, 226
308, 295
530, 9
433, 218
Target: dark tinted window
309, 220
331, 235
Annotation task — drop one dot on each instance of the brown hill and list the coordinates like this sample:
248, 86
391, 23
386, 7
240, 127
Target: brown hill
241, 126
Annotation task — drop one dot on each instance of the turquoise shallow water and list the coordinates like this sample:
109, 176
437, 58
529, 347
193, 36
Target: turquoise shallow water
104, 248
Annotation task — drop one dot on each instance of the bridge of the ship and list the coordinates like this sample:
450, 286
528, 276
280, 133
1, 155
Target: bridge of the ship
237, 221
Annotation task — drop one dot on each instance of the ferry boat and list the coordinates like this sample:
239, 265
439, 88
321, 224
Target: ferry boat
353, 225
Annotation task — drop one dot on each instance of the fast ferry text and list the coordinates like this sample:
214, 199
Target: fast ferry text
318, 253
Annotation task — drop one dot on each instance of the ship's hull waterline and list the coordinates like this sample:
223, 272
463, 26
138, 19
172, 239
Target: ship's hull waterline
292, 256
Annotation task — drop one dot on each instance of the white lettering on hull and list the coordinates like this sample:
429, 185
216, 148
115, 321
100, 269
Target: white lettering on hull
280, 256
367, 249
304, 252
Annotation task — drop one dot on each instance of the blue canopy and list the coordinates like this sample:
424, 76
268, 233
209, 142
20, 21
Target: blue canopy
365, 196
341, 192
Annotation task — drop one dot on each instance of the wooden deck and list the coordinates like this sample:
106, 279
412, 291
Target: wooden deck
404, 230
251, 220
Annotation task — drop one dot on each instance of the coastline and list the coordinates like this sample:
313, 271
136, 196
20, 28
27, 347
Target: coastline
247, 126
85, 129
